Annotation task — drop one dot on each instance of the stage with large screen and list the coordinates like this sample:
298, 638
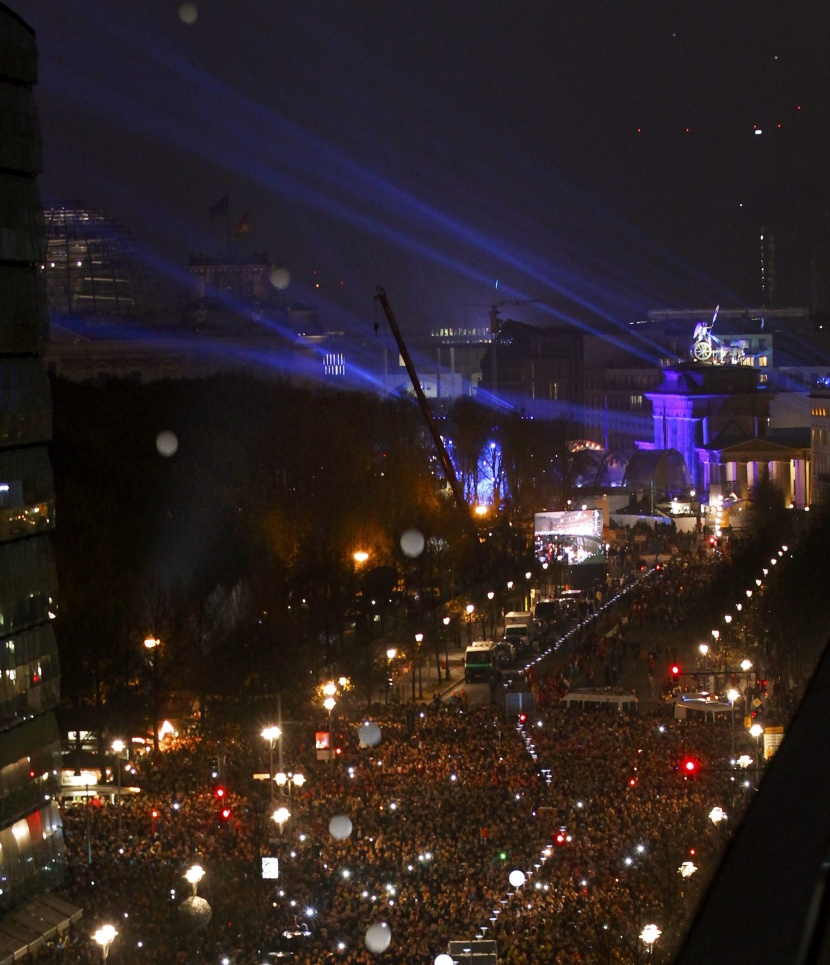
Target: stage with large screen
571, 537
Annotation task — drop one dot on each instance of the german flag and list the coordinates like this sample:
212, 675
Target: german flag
243, 225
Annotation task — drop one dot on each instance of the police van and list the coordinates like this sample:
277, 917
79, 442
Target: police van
480, 661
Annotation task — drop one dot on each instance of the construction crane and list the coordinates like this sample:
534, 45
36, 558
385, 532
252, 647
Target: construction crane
443, 455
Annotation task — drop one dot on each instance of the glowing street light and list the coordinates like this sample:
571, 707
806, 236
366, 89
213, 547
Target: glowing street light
446, 621
733, 695
194, 875
118, 749
287, 782
360, 557
716, 815
755, 731
419, 639
105, 936
280, 816
272, 734
330, 703
649, 935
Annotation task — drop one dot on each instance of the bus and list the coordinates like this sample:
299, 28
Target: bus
480, 661
701, 706
607, 699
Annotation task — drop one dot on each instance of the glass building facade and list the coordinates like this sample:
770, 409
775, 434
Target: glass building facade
91, 267
31, 836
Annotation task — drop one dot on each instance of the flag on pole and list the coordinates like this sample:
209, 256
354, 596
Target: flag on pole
243, 225
220, 209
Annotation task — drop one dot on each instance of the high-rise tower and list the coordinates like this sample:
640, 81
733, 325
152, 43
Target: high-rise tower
31, 834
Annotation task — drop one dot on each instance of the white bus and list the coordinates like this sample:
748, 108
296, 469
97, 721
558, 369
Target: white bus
606, 699
700, 706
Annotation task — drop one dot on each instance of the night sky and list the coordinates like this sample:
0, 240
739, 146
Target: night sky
600, 159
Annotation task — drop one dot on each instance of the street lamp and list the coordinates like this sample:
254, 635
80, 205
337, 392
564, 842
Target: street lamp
755, 731
704, 650
287, 782
195, 911
194, 875
391, 653
746, 666
105, 936
329, 703
118, 749
419, 639
649, 935
733, 695
272, 734
686, 870
280, 816
470, 612
490, 596
152, 644
716, 815
446, 622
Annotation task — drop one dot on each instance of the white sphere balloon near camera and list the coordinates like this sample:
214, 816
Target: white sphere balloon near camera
167, 443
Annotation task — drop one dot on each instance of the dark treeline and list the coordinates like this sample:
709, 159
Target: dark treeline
238, 550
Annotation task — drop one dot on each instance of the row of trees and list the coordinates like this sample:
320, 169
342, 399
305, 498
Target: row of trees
238, 550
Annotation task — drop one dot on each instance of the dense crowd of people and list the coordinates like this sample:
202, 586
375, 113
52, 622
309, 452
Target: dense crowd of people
598, 812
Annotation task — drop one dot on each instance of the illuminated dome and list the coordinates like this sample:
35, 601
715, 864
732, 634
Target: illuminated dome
91, 267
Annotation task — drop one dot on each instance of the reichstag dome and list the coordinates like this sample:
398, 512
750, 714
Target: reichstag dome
92, 268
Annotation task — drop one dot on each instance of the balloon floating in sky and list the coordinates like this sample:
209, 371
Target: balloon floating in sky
188, 13
412, 542
340, 827
167, 443
378, 937
516, 878
280, 278
369, 733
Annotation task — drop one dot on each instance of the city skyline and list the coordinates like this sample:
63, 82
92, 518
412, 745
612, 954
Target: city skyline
596, 163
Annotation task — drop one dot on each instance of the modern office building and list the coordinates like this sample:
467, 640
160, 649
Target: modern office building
31, 833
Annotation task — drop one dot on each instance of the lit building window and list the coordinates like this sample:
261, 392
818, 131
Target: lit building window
334, 363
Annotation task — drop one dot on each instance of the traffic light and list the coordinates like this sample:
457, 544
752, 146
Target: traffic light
674, 670
522, 718
225, 813
220, 793
689, 767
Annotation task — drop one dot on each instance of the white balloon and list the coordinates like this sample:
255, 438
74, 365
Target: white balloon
516, 878
188, 13
369, 733
340, 826
412, 542
279, 278
444, 960
167, 443
378, 937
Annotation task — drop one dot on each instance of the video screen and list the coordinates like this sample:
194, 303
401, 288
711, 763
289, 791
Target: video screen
571, 537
